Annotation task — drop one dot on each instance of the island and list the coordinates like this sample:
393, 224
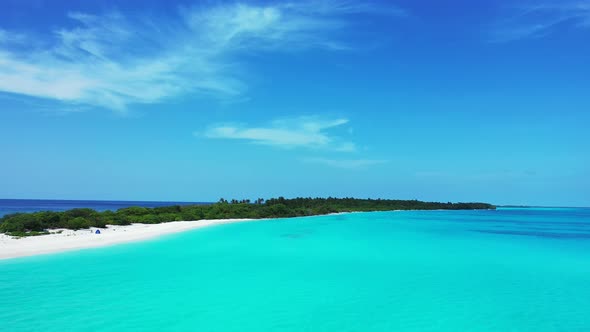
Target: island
40, 223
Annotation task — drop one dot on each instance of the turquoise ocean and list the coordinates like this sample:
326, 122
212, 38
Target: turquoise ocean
505, 270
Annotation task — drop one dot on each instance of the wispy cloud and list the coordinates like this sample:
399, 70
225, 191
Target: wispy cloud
303, 132
115, 60
539, 19
8, 38
346, 163
345, 7
3, 36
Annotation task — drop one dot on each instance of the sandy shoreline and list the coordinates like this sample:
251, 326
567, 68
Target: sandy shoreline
81, 239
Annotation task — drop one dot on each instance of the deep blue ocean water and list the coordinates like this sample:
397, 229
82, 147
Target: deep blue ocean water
8, 206
504, 270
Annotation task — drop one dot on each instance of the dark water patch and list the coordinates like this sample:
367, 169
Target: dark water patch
526, 223
553, 235
340, 217
541, 223
569, 213
299, 234
293, 235
531, 228
541, 227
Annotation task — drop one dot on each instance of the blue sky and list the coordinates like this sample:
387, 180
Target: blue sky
196, 100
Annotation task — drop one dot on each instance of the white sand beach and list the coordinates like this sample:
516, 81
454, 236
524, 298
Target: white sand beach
66, 240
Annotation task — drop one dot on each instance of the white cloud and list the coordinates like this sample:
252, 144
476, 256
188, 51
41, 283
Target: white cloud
7, 37
345, 7
306, 132
540, 18
346, 163
115, 60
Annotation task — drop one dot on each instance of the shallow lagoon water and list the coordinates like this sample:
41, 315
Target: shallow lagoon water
504, 270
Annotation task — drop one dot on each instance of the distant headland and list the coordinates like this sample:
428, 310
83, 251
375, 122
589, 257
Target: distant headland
39, 223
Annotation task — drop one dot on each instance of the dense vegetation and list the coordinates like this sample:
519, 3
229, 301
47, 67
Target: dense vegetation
22, 224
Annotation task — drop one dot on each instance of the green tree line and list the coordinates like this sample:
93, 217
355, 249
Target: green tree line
23, 224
